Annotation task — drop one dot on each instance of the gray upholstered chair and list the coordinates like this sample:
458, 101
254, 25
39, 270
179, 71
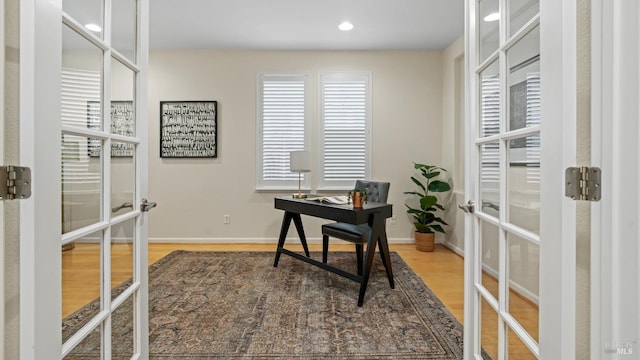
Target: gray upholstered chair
357, 234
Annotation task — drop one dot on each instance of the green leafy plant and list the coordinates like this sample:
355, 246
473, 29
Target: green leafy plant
426, 220
362, 192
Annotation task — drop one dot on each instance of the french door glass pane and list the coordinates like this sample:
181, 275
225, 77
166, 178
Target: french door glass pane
88, 349
121, 256
122, 333
490, 100
524, 82
123, 36
123, 120
490, 260
523, 265
488, 329
81, 81
520, 12
81, 279
86, 12
122, 178
523, 180
490, 178
81, 182
488, 34
516, 349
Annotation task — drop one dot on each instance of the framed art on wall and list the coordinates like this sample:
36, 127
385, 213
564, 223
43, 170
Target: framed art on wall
122, 123
188, 129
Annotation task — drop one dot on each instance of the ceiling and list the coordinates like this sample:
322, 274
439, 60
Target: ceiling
305, 24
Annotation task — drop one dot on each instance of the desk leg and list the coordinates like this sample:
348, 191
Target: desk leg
383, 245
303, 239
375, 232
284, 229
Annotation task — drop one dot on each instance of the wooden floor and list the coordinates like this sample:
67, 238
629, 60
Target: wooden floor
441, 270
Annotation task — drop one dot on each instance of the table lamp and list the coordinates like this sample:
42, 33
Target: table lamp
299, 161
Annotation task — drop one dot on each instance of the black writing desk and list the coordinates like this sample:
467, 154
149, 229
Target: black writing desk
373, 214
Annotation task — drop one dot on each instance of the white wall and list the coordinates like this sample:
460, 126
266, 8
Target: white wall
193, 195
453, 139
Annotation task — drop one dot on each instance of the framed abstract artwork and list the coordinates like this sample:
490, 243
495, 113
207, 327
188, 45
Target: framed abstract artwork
122, 123
188, 129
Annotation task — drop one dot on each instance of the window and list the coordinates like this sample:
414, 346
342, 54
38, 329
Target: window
283, 126
345, 122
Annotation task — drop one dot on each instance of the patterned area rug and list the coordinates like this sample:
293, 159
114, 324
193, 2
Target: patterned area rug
236, 305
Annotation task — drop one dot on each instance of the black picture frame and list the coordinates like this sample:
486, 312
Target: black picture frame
188, 129
122, 123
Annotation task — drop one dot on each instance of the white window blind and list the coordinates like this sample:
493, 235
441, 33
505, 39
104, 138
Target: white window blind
345, 103
532, 119
490, 125
80, 98
282, 127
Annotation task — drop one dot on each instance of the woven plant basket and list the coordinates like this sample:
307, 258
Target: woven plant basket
424, 241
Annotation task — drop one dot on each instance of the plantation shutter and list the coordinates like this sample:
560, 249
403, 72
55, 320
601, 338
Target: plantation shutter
490, 125
282, 128
345, 122
532, 119
80, 107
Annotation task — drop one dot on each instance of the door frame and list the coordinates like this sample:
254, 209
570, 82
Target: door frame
40, 260
558, 43
615, 289
2, 162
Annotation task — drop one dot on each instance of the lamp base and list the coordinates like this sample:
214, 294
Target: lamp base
299, 196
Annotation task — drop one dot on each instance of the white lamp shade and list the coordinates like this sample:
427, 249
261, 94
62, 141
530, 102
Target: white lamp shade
300, 161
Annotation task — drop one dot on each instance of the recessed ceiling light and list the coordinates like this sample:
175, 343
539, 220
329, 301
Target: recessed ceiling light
93, 27
345, 26
492, 17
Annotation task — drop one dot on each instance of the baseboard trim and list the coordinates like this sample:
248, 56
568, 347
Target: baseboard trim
454, 248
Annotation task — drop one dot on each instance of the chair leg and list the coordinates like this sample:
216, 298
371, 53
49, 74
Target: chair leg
325, 248
359, 258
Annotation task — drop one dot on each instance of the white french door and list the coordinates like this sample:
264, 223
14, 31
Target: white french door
103, 92
83, 123
514, 178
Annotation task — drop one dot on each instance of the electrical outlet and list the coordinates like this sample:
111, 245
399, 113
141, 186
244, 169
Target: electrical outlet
392, 221
227, 219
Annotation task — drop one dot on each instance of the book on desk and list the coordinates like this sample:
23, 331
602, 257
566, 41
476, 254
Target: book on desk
336, 199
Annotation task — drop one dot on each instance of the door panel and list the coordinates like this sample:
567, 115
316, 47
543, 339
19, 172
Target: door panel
91, 342
103, 133
523, 272
490, 258
516, 349
488, 28
520, 12
124, 35
505, 66
122, 251
488, 329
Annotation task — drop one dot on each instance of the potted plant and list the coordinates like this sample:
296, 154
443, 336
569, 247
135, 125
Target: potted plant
357, 197
426, 222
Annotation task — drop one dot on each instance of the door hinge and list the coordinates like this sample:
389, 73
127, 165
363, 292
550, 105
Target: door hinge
15, 182
583, 183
